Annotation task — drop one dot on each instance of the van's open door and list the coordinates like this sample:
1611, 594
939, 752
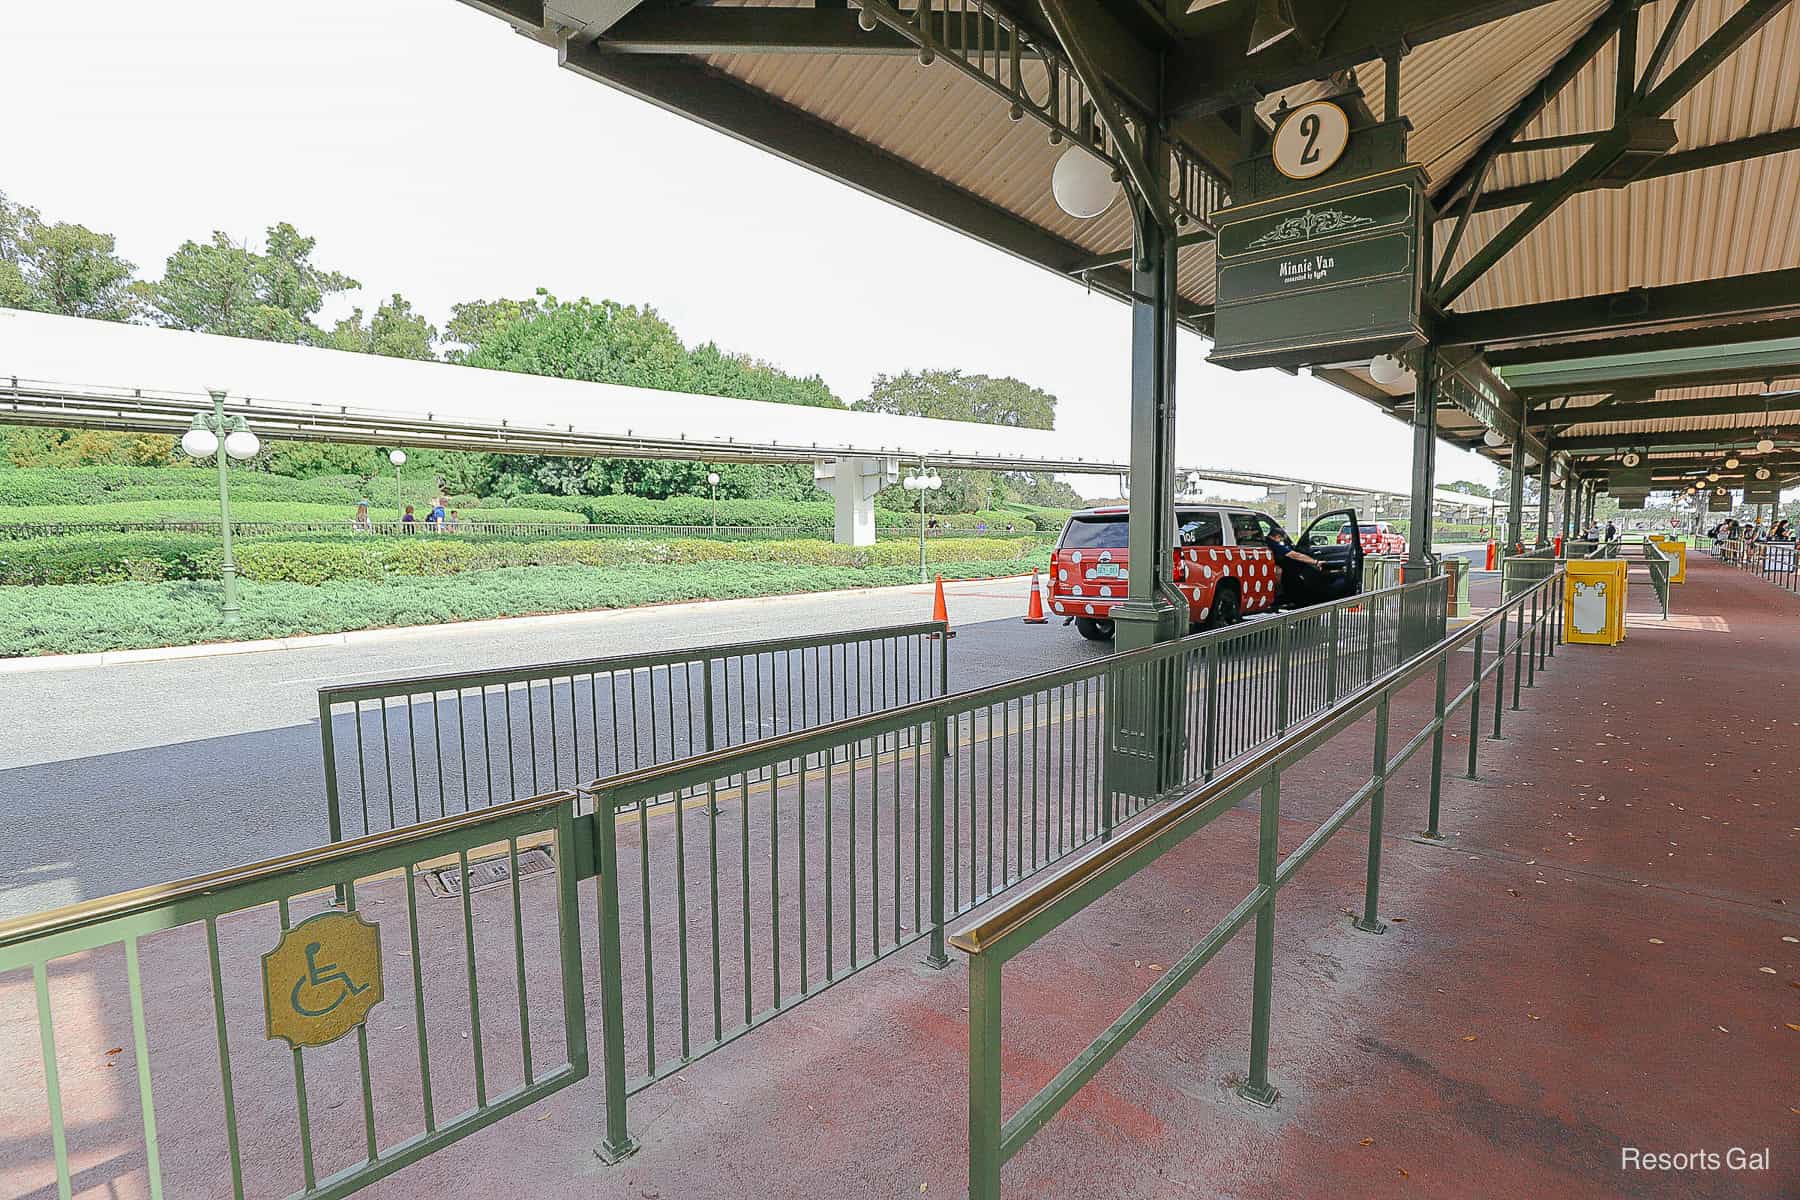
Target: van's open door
1341, 563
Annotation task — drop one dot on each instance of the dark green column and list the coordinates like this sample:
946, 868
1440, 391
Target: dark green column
1155, 611
1424, 462
1543, 529
1515, 497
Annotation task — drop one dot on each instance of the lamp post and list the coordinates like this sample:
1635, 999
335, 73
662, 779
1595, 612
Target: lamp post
398, 458
712, 481
921, 482
211, 435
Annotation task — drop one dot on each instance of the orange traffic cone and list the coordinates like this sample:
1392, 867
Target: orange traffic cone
939, 612
1034, 614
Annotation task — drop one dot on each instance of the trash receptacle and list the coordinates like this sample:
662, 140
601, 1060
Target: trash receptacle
1594, 602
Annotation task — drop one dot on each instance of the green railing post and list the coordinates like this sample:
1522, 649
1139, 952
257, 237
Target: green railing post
618, 1144
706, 705
1284, 657
1331, 668
1369, 922
1475, 703
1500, 670
1437, 747
940, 734
1521, 662
1209, 746
333, 817
986, 1155
1257, 1088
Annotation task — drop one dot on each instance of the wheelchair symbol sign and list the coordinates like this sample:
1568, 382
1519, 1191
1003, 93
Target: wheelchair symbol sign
322, 979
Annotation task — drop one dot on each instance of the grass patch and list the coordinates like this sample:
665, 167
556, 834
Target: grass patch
77, 618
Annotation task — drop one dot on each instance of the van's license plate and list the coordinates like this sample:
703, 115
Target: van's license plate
1106, 570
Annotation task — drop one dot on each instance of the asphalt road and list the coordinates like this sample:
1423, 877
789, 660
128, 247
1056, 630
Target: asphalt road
121, 776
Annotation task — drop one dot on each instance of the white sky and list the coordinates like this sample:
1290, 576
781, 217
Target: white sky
432, 151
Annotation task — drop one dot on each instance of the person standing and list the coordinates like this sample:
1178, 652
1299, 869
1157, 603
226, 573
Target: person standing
408, 522
360, 523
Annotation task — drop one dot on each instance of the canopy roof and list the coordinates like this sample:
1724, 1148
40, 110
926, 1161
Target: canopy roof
1582, 209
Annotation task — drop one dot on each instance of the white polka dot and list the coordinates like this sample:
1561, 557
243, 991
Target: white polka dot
1062, 574
1058, 607
1076, 557
1204, 612
1075, 589
1106, 591
1090, 610
1213, 554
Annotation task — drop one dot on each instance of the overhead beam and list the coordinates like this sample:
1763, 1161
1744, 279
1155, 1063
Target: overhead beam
1701, 338
762, 30
1114, 258
1677, 163
1723, 42
1722, 439
1748, 362
1657, 410
1216, 74
1764, 295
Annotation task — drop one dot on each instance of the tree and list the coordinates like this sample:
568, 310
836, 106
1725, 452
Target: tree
473, 322
396, 331
954, 396
222, 287
713, 372
61, 267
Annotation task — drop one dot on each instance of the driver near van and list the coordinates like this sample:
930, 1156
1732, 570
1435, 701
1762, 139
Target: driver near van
1284, 551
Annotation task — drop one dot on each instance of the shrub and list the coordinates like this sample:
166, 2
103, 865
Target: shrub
107, 558
85, 617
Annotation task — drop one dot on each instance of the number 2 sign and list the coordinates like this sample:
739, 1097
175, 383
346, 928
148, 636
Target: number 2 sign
1310, 139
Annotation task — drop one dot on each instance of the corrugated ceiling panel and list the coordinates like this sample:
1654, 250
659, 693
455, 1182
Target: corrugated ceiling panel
1728, 220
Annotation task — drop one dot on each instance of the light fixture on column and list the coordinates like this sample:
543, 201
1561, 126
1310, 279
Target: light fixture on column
1731, 463
1712, 477
1389, 370
1082, 184
1494, 438
1765, 445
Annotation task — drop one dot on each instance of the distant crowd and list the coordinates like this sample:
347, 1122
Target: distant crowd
1733, 530
442, 519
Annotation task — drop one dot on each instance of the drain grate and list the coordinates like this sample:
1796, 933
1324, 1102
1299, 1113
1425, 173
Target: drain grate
490, 872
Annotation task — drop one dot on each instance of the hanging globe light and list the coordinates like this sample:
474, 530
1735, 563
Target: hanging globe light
1494, 437
242, 445
1731, 463
1389, 370
1765, 445
1082, 184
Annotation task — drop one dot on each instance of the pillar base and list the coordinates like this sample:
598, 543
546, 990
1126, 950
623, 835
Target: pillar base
1363, 926
1140, 623
612, 1153
1263, 1096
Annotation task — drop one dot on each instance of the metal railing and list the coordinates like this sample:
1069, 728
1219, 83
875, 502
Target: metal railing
750, 879
164, 988
756, 875
401, 751
1777, 562
1012, 928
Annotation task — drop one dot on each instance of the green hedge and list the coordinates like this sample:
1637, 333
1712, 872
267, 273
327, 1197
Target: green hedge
115, 558
207, 509
102, 485
78, 618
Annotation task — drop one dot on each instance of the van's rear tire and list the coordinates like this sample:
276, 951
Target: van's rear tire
1094, 631
1227, 606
